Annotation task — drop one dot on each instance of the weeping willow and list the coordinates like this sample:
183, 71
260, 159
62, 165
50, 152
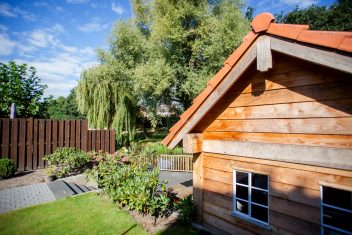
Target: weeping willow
104, 94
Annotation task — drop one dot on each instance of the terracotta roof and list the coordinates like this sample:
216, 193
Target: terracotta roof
264, 24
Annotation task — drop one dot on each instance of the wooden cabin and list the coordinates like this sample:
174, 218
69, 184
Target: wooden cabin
271, 135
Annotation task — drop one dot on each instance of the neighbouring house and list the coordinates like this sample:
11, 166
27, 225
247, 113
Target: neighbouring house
271, 134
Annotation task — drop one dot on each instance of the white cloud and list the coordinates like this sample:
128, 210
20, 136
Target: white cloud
117, 8
300, 3
6, 45
3, 28
77, 1
94, 26
41, 38
6, 10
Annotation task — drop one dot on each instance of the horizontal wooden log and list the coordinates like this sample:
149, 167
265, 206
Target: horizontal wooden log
267, 81
192, 143
332, 108
335, 141
335, 126
310, 155
320, 92
295, 177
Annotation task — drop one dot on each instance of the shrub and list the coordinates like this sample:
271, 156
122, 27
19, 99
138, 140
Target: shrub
68, 161
133, 185
7, 168
187, 209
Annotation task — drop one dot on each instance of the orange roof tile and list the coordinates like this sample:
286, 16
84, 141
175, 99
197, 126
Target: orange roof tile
261, 24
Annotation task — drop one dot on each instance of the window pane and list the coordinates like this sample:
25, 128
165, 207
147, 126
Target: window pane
337, 197
242, 177
260, 197
242, 192
328, 231
242, 206
337, 218
260, 181
259, 213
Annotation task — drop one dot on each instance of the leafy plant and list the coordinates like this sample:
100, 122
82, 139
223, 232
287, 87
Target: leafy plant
134, 185
187, 209
68, 161
7, 168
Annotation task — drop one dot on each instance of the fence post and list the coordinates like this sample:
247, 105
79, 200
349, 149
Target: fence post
29, 143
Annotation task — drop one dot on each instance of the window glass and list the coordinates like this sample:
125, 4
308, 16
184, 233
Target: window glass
260, 197
251, 196
242, 192
242, 206
337, 197
242, 177
260, 181
329, 231
259, 213
337, 218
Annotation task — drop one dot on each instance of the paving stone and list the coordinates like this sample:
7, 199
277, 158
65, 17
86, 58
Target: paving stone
24, 196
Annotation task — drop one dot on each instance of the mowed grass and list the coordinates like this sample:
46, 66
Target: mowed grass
85, 214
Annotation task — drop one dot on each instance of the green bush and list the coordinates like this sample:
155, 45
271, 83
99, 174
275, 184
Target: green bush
133, 185
7, 168
187, 209
68, 161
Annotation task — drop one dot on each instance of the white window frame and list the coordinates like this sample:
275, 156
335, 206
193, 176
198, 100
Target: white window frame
333, 207
250, 187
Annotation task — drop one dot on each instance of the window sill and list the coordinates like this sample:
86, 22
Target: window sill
252, 222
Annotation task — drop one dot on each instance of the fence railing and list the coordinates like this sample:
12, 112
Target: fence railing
175, 162
26, 141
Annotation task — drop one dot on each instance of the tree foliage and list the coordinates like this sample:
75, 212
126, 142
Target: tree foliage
65, 108
165, 54
20, 85
337, 17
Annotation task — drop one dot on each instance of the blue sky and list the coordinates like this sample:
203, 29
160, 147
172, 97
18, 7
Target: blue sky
59, 37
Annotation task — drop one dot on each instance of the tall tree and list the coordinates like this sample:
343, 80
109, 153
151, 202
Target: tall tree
20, 85
337, 17
164, 55
65, 108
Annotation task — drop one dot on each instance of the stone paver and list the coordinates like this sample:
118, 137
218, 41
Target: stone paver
20, 197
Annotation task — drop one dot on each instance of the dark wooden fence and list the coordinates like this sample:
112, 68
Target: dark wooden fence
26, 141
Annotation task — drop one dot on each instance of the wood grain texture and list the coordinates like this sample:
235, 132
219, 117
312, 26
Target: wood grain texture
331, 108
332, 126
264, 57
338, 158
335, 141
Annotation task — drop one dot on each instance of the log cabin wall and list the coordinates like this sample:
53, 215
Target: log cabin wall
297, 105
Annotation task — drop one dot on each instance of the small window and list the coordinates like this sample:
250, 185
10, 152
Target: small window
336, 211
251, 196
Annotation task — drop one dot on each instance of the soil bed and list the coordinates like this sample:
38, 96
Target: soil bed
23, 178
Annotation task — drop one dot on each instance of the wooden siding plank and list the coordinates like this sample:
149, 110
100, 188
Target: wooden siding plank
67, 133
29, 144
319, 92
334, 108
5, 153
22, 145
337, 158
336, 141
264, 57
14, 140
84, 135
48, 138
61, 134
41, 143
299, 126
35, 143
112, 141
107, 141
78, 134
55, 135
72, 133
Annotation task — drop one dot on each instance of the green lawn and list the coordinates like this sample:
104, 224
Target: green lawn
85, 214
